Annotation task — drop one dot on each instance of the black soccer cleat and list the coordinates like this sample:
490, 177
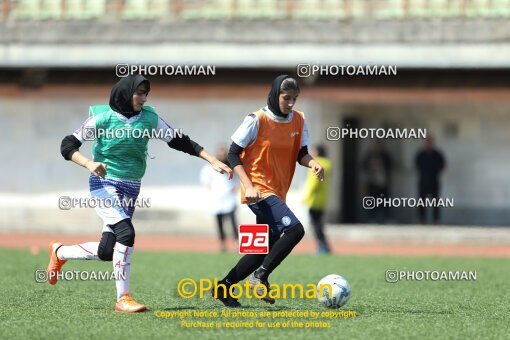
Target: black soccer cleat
222, 294
254, 280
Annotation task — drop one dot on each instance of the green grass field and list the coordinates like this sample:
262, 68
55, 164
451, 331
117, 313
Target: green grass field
409, 309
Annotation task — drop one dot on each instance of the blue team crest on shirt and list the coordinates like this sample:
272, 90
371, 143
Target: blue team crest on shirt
286, 220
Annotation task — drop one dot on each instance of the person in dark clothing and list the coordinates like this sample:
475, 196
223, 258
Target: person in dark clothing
429, 162
377, 166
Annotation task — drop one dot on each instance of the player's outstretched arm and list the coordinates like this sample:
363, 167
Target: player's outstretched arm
187, 145
69, 150
308, 161
96, 168
251, 193
215, 163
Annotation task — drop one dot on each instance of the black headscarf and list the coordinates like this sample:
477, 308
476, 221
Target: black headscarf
121, 97
273, 99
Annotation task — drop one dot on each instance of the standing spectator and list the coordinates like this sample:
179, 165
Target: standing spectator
316, 197
377, 166
223, 196
430, 162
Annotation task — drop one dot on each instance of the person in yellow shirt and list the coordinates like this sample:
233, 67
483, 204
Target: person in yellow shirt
316, 197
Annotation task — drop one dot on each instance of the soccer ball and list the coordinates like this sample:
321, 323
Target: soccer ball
339, 294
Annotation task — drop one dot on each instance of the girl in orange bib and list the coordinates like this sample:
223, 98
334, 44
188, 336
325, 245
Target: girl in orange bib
264, 153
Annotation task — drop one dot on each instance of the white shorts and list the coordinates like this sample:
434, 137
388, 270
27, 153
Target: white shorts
109, 191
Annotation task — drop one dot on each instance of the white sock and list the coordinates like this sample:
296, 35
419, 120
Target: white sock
121, 268
83, 251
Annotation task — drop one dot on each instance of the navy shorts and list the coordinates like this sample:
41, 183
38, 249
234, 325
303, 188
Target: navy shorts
272, 211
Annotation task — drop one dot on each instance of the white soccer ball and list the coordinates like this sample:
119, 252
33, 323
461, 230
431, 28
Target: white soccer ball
339, 293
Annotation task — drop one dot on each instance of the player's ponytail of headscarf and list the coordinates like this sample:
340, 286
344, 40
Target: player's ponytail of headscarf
280, 83
121, 97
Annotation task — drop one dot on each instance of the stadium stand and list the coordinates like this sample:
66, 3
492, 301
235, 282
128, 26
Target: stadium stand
179, 10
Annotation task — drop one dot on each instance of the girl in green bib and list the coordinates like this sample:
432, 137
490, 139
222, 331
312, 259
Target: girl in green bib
120, 131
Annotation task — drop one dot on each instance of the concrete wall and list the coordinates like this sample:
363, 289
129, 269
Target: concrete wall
474, 138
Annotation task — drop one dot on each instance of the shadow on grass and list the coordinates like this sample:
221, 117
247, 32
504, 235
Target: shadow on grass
180, 308
220, 306
367, 310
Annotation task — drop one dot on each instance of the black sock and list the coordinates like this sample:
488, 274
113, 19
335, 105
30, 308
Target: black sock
261, 273
280, 250
246, 265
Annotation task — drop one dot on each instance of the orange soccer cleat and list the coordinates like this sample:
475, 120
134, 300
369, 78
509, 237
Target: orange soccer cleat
55, 265
128, 305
